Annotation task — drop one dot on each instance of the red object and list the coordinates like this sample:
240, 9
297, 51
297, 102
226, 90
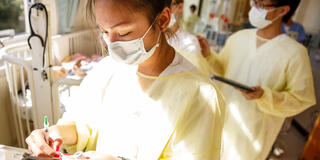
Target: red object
58, 148
226, 20
222, 16
212, 15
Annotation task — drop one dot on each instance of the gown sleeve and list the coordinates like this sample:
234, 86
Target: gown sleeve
199, 130
80, 109
298, 94
219, 61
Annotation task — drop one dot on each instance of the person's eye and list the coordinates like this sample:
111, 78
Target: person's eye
105, 33
124, 34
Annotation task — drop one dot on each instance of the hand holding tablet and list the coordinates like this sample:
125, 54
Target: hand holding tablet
232, 83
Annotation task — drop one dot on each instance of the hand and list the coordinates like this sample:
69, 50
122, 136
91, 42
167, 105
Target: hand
256, 94
37, 144
205, 47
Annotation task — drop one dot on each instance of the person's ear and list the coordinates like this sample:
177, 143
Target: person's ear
284, 10
164, 19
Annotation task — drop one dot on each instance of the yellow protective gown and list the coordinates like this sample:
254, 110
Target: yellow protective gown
282, 68
185, 41
190, 22
121, 112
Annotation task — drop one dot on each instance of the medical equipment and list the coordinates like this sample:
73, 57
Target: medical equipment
18, 66
41, 7
46, 129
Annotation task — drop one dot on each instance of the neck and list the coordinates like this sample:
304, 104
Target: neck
271, 31
289, 23
159, 61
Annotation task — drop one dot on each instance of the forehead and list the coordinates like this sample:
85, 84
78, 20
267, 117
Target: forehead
110, 12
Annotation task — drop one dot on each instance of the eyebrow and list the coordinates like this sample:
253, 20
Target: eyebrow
119, 24
116, 25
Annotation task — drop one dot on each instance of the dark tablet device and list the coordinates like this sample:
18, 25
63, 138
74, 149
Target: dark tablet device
35, 158
27, 156
232, 83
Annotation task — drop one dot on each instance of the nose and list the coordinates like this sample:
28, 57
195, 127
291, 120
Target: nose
110, 37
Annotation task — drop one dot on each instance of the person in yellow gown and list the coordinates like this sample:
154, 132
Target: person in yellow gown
192, 20
143, 102
278, 69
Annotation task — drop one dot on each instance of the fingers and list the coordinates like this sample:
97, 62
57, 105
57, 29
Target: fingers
38, 146
57, 143
203, 42
251, 95
205, 47
248, 95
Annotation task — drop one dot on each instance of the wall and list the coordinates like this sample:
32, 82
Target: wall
308, 15
80, 22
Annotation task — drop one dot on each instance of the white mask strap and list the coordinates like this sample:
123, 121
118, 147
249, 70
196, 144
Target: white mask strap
150, 27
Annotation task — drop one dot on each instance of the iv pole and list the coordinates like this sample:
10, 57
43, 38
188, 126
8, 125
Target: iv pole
39, 43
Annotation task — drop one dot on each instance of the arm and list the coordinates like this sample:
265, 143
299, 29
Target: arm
216, 61
67, 132
296, 96
199, 130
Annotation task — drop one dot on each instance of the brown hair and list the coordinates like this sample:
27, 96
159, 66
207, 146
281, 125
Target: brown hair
293, 4
179, 1
151, 8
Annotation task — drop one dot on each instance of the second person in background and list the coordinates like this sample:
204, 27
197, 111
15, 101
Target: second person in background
280, 70
192, 19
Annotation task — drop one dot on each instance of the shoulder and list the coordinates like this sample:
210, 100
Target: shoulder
240, 35
245, 32
199, 85
293, 47
298, 25
294, 52
203, 96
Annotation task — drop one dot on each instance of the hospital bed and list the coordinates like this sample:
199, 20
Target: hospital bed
18, 69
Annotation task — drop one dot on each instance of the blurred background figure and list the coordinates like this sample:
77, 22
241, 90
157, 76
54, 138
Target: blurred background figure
192, 19
293, 29
181, 40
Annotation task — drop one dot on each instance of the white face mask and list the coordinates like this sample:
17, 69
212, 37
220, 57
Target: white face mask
131, 52
172, 20
257, 17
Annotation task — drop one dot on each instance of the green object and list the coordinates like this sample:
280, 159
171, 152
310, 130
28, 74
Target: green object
46, 121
